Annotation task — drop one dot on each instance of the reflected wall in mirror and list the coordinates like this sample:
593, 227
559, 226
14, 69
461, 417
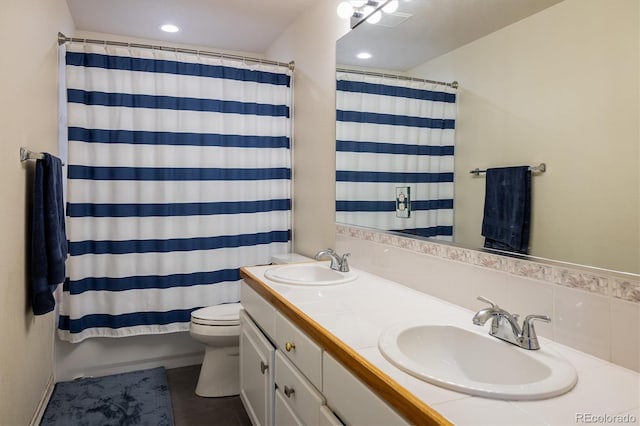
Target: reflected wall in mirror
555, 82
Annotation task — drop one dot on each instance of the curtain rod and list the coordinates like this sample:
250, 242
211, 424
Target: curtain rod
62, 39
453, 84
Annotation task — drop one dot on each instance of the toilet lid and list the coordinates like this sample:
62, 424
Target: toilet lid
227, 314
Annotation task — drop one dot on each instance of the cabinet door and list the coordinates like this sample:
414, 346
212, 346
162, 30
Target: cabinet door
256, 372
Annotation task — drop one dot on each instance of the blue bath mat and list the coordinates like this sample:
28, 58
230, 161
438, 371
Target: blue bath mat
136, 398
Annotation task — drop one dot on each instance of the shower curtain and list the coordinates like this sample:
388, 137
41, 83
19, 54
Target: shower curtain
179, 172
395, 134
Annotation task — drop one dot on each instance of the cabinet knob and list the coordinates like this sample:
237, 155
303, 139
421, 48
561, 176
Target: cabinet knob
288, 391
263, 367
289, 346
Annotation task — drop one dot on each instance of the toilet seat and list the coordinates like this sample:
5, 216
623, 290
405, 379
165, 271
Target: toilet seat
218, 315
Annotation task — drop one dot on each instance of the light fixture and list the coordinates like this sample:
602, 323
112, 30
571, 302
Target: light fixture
391, 6
169, 28
359, 9
345, 10
363, 55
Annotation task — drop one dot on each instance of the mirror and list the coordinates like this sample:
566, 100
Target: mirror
540, 81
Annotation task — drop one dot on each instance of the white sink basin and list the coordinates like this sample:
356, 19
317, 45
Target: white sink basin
309, 274
476, 363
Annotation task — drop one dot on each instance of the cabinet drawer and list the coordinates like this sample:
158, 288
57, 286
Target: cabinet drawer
284, 414
351, 399
259, 309
300, 395
300, 349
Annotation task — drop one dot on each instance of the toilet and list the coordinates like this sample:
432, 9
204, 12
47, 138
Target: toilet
218, 327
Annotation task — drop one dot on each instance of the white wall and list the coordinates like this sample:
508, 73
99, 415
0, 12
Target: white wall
128, 39
28, 117
559, 87
310, 41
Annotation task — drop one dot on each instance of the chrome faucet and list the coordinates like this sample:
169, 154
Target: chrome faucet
339, 263
505, 326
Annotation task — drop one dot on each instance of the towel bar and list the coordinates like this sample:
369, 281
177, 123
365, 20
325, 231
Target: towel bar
27, 154
542, 167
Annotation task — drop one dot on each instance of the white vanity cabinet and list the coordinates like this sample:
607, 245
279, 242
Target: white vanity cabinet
308, 385
286, 375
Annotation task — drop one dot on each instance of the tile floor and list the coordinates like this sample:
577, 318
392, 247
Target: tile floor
192, 410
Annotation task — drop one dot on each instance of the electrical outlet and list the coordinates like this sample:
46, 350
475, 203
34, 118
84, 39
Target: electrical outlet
403, 201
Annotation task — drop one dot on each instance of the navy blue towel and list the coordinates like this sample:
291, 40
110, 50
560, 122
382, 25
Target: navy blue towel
507, 209
48, 236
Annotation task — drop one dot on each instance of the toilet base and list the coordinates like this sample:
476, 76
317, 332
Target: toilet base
220, 372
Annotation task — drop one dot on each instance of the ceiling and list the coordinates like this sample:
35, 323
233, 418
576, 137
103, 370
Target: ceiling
239, 25
424, 29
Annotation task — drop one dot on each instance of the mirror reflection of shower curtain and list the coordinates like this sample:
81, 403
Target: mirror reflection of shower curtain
392, 134
179, 174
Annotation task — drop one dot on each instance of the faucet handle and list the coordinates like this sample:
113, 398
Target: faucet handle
529, 318
344, 262
529, 336
485, 300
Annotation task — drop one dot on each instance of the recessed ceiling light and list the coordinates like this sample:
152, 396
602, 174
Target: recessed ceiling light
363, 55
169, 28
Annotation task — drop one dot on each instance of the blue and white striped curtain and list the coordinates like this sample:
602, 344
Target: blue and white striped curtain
394, 133
179, 174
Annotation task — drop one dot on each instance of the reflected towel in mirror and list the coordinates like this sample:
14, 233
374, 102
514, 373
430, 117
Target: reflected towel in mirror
507, 209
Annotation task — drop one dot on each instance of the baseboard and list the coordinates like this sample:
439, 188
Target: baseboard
103, 356
44, 401
181, 360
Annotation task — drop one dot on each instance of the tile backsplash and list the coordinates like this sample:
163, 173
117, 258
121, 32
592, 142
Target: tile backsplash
592, 310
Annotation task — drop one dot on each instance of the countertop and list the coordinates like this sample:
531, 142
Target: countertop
356, 313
